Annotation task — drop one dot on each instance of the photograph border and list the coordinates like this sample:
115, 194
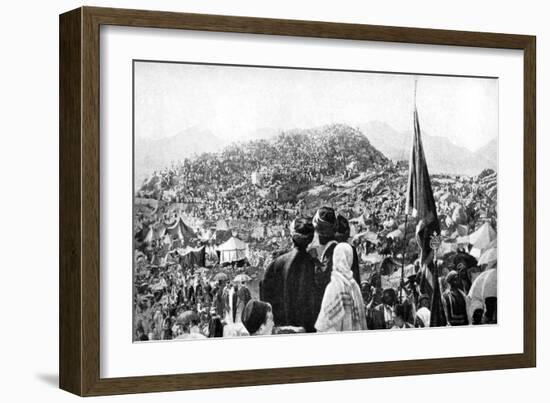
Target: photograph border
79, 193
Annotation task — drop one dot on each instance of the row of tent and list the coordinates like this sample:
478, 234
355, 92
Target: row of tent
232, 250
483, 242
179, 230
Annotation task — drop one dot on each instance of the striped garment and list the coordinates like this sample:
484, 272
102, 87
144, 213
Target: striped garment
341, 310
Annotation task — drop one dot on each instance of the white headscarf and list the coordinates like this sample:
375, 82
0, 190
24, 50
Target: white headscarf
339, 313
342, 260
424, 314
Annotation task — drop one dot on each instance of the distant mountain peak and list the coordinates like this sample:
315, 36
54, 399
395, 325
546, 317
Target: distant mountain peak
441, 154
155, 154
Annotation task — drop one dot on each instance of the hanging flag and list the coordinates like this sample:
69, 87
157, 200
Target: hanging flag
421, 204
420, 199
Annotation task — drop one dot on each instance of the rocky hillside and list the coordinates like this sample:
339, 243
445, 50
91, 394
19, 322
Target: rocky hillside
288, 163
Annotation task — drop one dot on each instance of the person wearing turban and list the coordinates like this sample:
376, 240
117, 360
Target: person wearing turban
325, 225
288, 283
257, 318
456, 302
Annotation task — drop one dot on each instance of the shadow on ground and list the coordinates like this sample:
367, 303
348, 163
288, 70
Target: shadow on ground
49, 379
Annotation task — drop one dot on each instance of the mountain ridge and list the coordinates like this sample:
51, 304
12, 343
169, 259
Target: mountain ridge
442, 155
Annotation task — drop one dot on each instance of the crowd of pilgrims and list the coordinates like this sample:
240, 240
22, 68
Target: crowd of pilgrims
183, 301
218, 185
313, 287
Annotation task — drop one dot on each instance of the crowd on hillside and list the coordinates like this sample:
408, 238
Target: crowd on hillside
258, 189
221, 185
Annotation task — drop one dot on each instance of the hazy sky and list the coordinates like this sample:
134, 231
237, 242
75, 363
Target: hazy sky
234, 102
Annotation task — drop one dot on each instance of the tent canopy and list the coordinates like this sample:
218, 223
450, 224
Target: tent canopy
180, 230
232, 250
192, 256
232, 244
483, 237
489, 256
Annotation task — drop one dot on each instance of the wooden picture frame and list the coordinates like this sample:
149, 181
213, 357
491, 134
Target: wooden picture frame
79, 280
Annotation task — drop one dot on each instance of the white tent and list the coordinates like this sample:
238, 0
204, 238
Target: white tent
232, 250
483, 237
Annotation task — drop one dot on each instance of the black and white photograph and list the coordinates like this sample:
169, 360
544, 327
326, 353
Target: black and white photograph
269, 202
272, 200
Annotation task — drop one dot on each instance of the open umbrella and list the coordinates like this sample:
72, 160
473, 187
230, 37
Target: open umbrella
187, 317
241, 278
490, 284
483, 237
484, 286
221, 276
489, 256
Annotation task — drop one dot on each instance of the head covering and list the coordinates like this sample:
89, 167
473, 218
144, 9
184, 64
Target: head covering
424, 315
450, 276
391, 292
342, 308
342, 228
342, 259
254, 315
301, 231
324, 222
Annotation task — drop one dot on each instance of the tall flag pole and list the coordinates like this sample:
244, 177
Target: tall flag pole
420, 200
404, 248
420, 204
